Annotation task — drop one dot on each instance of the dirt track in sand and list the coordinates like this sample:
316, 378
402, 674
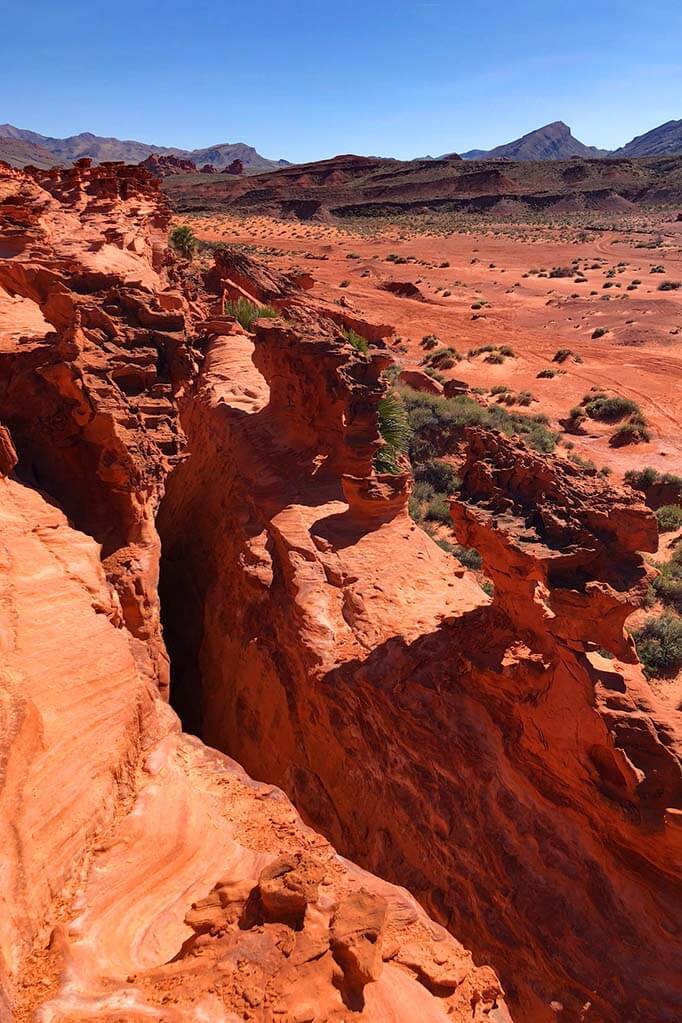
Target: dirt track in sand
639, 356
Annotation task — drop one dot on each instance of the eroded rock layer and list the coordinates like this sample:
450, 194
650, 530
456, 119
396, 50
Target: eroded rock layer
524, 786
144, 875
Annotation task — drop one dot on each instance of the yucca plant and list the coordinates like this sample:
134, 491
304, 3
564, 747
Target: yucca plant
359, 343
183, 241
395, 432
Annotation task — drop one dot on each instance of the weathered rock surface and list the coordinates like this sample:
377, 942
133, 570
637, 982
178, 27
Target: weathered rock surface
485, 754
165, 166
145, 876
89, 400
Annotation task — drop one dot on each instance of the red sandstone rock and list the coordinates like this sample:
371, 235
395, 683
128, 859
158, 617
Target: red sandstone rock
165, 166
236, 167
482, 753
420, 381
145, 876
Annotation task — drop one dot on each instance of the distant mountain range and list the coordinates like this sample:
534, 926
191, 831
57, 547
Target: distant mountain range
555, 142
18, 146
661, 141
551, 142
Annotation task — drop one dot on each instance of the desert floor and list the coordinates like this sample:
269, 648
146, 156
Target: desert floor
507, 267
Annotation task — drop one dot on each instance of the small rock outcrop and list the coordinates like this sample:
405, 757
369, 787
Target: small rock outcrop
166, 166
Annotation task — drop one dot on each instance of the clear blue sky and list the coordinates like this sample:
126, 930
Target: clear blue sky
309, 79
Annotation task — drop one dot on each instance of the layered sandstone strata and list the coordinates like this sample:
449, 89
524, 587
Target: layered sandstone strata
504, 759
146, 876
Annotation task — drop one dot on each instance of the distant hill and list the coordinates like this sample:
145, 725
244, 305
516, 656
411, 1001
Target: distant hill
362, 186
661, 141
101, 149
19, 153
551, 142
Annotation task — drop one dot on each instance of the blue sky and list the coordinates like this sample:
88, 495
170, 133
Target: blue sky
306, 80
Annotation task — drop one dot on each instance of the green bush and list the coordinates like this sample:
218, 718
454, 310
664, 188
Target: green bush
439, 475
444, 358
659, 645
669, 518
468, 556
247, 313
667, 586
394, 429
438, 510
359, 343
641, 479
415, 509
436, 423
633, 431
609, 410
182, 239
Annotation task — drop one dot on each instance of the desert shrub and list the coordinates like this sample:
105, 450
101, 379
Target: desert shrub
394, 429
598, 332
669, 286
429, 341
344, 284
641, 479
468, 556
669, 518
247, 313
444, 358
436, 423
667, 587
657, 270
438, 510
499, 389
562, 354
609, 409
507, 351
359, 343
423, 491
547, 374
414, 507
437, 474
561, 271
495, 358
633, 431
524, 398
582, 463
182, 239
659, 645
